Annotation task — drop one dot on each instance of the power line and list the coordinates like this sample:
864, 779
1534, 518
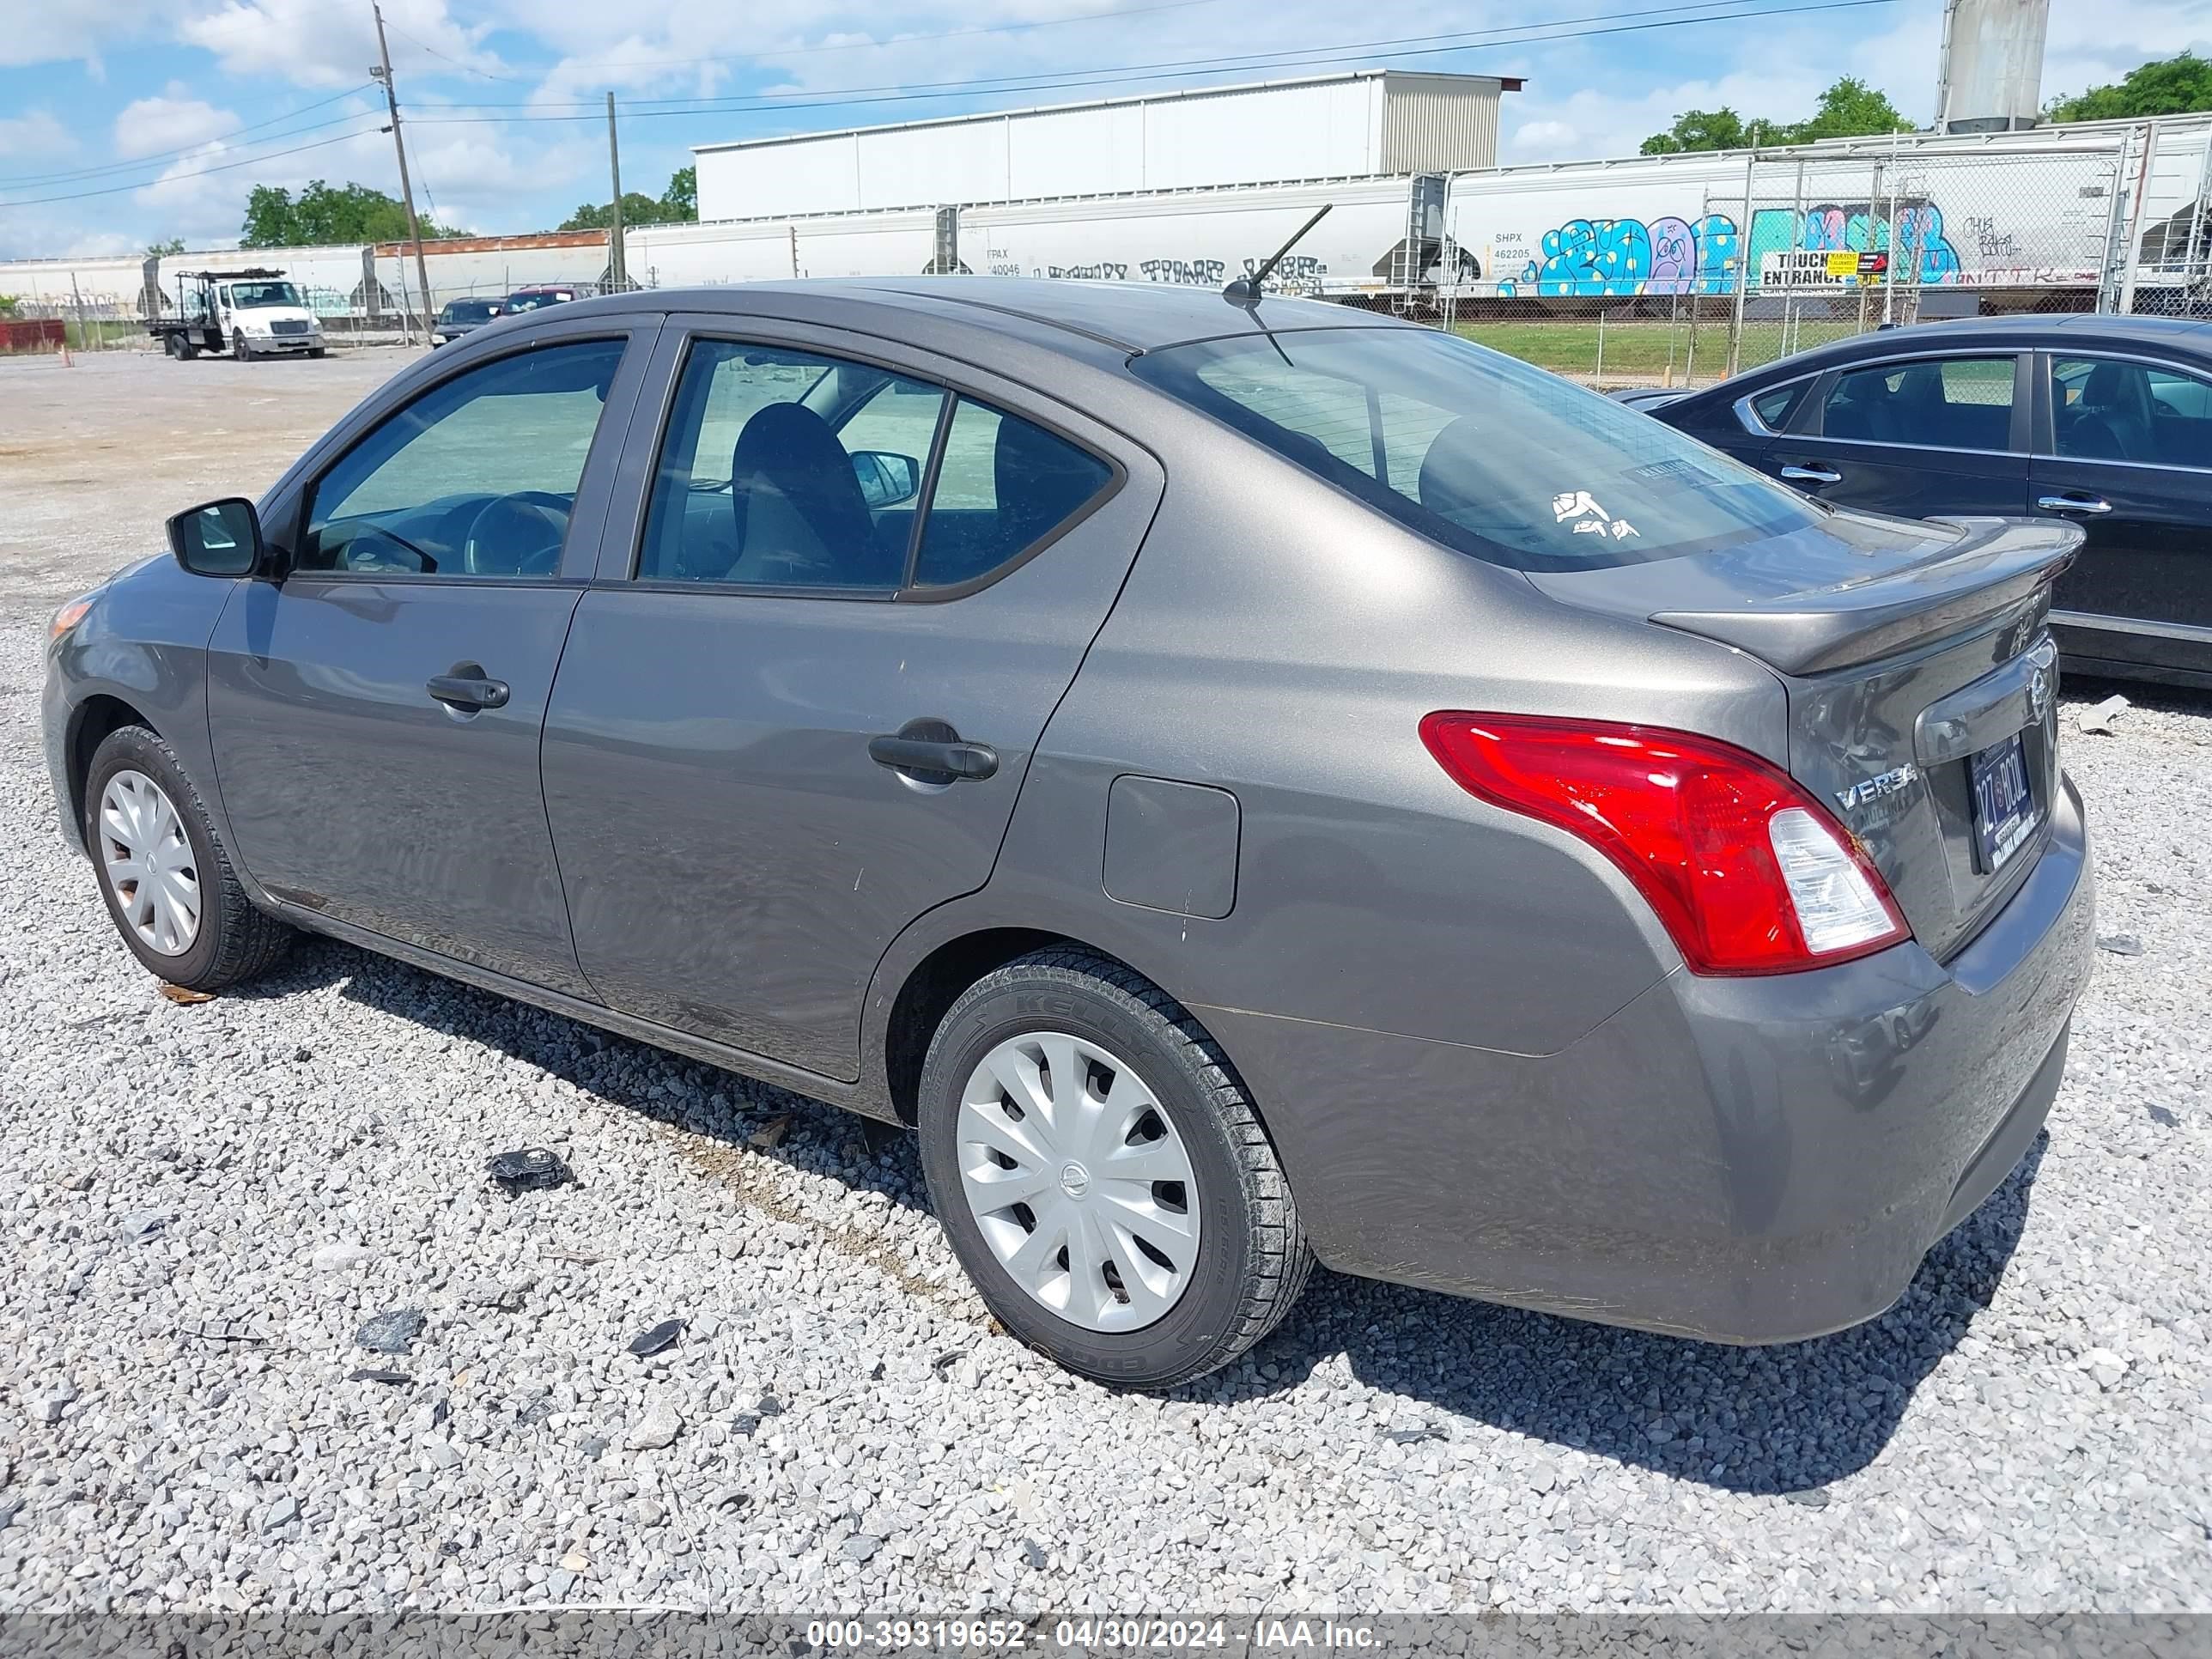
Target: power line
227, 167
1285, 56
1127, 75
138, 161
830, 46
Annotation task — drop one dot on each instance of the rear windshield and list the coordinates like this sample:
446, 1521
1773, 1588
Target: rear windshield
471, 311
1508, 463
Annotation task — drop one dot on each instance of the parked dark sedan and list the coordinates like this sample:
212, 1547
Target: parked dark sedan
459, 317
2104, 421
1249, 783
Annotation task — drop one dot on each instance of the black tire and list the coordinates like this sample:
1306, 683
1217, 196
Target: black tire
236, 941
239, 349
186, 350
173, 346
318, 351
1252, 1259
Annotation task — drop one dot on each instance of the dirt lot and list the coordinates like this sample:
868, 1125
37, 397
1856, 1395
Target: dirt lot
202, 1203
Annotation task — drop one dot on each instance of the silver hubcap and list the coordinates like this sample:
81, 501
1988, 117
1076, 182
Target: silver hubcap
149, 861
1079, 1181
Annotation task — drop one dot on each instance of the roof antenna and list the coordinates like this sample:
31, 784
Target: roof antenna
1245, 290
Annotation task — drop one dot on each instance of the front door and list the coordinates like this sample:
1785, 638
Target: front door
1920, 438
2129, 460
375, 716
800, 717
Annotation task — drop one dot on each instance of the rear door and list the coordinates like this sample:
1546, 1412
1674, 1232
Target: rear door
1918, 437
794, 711
2125, 451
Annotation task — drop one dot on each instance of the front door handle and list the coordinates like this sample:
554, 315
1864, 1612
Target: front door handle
2090, 504
930, 752
1810, 474
467, 688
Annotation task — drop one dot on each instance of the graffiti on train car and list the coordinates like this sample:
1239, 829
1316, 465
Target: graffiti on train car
1591, 257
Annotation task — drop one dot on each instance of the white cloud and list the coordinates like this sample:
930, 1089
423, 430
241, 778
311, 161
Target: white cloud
313, 42
154, 126
1544, 141
51, 33
35, 134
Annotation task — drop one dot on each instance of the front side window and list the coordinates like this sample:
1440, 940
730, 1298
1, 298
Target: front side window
1486, 454
476, 477
2107, 409
1950, 403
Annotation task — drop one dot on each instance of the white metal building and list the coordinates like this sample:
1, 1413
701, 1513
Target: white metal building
1362, 123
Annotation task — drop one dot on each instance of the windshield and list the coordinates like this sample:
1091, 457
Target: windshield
532, 302
1486, 454
249, 296
470, 311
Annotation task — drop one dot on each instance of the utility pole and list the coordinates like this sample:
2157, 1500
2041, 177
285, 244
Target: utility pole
383, 72
616, 265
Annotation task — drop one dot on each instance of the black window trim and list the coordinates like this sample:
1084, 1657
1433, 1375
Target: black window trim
2020, 443
2046, 445
734, 332
622, 329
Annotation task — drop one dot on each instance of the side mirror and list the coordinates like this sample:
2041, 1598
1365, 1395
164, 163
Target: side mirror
222, 538
886, 479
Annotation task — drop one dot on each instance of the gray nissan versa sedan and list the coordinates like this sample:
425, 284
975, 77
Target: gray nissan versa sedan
1249, 783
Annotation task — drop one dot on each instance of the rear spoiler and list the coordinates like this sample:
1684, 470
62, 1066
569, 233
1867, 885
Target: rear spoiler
1994, 565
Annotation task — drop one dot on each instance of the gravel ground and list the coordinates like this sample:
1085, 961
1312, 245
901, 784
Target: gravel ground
205, 1203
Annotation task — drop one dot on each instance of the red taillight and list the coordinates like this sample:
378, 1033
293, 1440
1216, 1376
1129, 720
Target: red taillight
1747, 871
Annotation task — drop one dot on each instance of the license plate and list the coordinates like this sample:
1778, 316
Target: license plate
2004, 804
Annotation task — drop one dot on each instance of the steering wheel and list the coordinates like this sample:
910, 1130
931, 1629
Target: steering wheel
517, 534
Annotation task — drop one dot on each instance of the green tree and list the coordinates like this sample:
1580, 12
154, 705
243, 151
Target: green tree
1700, 129
169, 244
322, 215
2170, 86
681, 198
1849, 109
638, 208
11, 304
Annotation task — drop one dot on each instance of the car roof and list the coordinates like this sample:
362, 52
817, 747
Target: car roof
2078, 330
1125, 317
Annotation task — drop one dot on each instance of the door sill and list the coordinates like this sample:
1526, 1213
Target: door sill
853, 1096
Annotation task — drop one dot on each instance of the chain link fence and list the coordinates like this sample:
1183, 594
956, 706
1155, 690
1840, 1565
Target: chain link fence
1812, 246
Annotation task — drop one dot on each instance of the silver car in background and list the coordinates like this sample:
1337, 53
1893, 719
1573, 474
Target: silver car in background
1250, 782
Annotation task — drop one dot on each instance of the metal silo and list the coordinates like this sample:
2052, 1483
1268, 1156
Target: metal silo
1991, 79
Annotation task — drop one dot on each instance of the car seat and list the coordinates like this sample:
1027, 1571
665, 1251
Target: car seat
801, 518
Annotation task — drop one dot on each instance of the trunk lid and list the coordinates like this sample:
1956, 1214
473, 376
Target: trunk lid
1913, 654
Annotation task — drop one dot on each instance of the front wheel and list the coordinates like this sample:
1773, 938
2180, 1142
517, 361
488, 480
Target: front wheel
318, 351
167, 878
239, 349
1101, 1174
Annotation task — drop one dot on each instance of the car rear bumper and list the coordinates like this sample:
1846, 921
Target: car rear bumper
1742, 1160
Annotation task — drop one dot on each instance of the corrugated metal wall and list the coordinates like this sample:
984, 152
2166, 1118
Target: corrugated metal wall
1334, 126
1438, 122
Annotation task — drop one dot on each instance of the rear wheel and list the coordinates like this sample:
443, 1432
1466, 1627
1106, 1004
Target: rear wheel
186, 349
167, 878
1101, 1174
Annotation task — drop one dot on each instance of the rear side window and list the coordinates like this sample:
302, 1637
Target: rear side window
1005, 484
776, 471
1473, 449
1953, 402
1774, 407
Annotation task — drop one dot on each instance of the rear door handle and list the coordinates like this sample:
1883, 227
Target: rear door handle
1810, 474
2091, 504
934, 760
467, 690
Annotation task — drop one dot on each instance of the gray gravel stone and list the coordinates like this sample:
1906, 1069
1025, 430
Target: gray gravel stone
659, 1427
1975, 1453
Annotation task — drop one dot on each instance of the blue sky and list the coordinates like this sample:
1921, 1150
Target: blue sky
125, 121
